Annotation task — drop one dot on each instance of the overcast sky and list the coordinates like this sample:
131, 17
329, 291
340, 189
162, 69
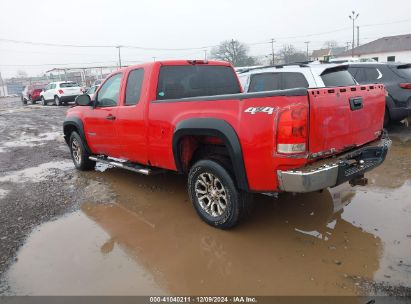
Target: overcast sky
180, 24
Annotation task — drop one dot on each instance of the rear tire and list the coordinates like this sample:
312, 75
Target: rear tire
214, 195
24, 100
79, 153
43, 101
387, 118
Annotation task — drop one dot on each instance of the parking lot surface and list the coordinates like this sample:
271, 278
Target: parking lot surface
113, 232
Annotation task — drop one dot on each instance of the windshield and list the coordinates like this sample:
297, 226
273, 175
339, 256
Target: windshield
68, 85
196, 80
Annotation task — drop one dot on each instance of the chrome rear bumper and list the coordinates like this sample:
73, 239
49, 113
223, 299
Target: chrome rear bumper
333, 171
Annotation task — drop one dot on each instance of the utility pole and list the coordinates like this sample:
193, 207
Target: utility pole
353, 17
205, 55
119, 55
307, 42
2, 86
358, 36
272, 50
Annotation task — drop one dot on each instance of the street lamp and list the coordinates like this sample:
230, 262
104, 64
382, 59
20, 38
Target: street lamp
353, 17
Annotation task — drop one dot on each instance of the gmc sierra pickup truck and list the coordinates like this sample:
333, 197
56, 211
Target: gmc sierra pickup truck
192, 117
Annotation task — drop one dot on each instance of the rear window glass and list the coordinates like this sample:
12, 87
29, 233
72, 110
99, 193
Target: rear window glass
294, 80
265, 82
196, 80
404, 72
337, 78
68, 85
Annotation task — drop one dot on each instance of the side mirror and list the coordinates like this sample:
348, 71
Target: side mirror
83, 100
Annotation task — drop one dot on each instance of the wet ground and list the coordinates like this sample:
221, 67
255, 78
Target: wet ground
113, 232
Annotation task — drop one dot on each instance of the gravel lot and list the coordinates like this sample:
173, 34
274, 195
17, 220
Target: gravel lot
113, 232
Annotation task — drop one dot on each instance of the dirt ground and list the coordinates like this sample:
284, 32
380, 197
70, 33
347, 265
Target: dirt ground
113, 232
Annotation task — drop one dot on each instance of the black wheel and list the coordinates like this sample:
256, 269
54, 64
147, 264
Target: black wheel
79, 153
43, 101
24, 100
386, 118
214, 195
33, 102
57, 101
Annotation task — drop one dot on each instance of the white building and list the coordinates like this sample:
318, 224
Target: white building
386, 49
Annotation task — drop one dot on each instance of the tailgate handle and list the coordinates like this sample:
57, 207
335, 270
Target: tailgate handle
356, 103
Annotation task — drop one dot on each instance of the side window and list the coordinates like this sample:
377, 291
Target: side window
47, 87
265, 82
294, 80
53, 86
354, 72
391, 58
133, 89
109, 92
371, 74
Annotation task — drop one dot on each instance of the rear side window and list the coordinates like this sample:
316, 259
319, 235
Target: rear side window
265, 82
404, 71
371, 74
134, 83
68, 85
196, 80
294, 80
337, 78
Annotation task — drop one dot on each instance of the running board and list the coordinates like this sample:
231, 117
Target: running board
126, 165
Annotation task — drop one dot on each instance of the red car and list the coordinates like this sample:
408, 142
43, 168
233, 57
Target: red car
32, 93
192, 117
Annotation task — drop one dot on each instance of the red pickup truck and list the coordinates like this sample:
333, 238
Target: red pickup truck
192, 117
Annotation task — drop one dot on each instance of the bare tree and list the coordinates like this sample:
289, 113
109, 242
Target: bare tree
329, 44
234, 52
288, 54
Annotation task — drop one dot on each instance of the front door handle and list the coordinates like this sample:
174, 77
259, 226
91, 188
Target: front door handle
110, 117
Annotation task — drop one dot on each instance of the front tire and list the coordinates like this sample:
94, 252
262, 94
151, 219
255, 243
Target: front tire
214, 195
79, 153
43, 101
57, 101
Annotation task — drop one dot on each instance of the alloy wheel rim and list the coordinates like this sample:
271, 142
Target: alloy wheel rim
76, 151
211, 194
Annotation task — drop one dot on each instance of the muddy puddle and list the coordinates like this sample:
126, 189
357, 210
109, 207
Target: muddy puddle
342, 241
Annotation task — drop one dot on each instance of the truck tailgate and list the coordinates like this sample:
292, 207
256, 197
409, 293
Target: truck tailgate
342, 118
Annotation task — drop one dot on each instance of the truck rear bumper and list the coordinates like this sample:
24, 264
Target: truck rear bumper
333, 171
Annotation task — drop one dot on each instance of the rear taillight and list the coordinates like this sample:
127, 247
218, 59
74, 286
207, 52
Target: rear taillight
405, 86
61, 91
292, 130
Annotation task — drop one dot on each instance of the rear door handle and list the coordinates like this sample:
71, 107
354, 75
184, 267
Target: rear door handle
110, 117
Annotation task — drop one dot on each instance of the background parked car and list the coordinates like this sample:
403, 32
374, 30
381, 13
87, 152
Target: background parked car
296, 75
60, 92
24, 95
397, 80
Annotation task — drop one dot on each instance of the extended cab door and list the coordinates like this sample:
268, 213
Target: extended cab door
131, 119
99, 122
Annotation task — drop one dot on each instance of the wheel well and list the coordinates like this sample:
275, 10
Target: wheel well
195, 147
68, 129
